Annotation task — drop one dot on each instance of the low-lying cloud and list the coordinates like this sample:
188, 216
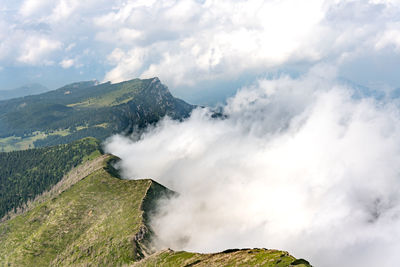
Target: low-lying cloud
296, 164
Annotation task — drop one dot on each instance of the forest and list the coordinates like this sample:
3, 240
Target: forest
28, 173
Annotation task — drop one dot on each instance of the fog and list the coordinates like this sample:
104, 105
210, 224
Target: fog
295, 164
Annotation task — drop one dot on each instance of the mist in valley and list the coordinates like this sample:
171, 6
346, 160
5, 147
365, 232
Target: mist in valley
296, 164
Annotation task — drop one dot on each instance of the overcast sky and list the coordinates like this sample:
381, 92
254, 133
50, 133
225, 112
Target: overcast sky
200, 49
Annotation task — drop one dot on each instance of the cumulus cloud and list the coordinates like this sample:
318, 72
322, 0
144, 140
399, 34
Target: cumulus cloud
67, 63
214, 40
36, 49
389, 37
37, 32
128, 64
189, 42
31, 7
297, 164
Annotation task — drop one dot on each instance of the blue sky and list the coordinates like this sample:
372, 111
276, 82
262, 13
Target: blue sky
201, 49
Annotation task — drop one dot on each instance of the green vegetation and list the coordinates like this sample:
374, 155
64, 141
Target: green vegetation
85, 109
26, 174
233, 257
123, 94
96, 222
65, 205
12, 143
93, 218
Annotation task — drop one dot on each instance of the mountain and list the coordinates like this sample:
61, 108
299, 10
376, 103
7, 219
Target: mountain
29, 89
97, 219
62, 202
85, 109
26, 174
231, 257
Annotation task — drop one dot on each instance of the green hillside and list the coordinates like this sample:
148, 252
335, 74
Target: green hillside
85, 109
93, 218
96, 222
231, 257
26, 174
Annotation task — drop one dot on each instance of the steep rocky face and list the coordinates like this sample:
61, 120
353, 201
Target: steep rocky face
151, 103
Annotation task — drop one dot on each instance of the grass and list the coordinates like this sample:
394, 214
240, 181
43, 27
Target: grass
123, 95
93, 163
243, 257
92, 218
11, 143
91, 223
100, 125
18, 143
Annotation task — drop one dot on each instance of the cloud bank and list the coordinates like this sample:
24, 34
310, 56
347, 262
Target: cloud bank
186, 42
189, 42
298, 164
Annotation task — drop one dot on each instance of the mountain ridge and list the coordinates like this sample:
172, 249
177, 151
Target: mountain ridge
86, 109
25, 90
84, 214
99, 212
102, 220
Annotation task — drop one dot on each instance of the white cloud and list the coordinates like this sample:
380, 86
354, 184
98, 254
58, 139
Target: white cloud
189, 41
390, 37
32, 7
123, 35
128, 64
55, 12
67, 63
217, 40
36, 50
64, 9
70, 47
298, 165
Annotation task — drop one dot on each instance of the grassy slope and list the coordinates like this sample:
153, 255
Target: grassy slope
244, 257
93, 218
97, 221
122, 94
92, 163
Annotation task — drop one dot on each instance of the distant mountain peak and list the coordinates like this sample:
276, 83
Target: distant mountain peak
156, 79
85, 109
25, 90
